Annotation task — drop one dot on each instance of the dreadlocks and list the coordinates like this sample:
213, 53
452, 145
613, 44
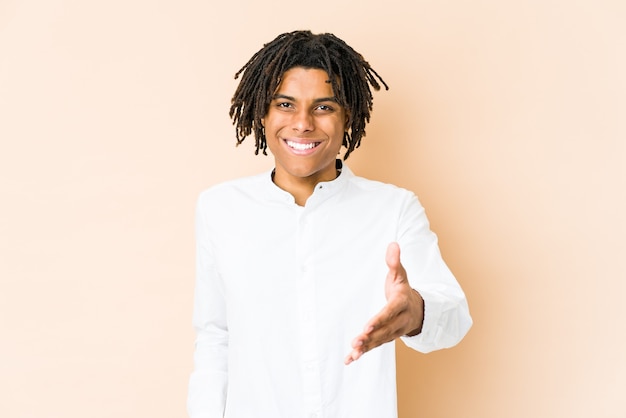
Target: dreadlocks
350, 76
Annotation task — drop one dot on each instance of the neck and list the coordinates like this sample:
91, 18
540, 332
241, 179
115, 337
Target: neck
301, 188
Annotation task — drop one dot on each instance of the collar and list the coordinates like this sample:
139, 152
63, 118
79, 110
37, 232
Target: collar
322, 191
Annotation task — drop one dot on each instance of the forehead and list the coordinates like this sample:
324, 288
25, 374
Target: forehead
305, 81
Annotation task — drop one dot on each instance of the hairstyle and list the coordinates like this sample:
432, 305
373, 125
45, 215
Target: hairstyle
350, 75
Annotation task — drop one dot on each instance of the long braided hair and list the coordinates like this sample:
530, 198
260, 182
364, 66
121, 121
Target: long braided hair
350, 75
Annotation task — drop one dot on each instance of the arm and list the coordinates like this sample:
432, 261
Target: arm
209, 379
426, 307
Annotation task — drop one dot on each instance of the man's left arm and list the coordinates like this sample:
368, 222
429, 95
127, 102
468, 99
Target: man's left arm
428, 311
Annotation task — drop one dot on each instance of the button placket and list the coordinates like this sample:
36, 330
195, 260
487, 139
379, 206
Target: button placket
311, 384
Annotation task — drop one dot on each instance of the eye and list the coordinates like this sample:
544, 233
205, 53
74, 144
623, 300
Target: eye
325, 108
284, 105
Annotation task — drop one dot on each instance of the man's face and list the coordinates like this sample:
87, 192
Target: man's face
304, 128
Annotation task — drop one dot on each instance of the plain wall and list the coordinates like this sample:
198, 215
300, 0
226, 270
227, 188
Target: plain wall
505, 117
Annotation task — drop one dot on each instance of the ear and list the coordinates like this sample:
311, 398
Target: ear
348, 121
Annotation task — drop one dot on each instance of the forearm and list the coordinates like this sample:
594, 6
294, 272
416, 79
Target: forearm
209, 380
446, 321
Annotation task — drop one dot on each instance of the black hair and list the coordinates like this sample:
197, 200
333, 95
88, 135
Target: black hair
350, 75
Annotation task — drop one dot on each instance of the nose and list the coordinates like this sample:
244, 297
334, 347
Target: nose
303, 121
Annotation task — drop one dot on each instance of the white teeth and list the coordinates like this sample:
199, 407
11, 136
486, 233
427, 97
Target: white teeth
301, 147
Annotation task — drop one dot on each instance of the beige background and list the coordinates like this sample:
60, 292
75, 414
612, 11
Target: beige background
505, 117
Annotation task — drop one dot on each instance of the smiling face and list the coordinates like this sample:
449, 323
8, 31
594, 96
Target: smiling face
304, 128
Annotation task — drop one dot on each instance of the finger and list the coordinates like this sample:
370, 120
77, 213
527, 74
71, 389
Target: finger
394, 307
385, 331
396, 273
377, 337
393, 257
384, 334
353, 356
358, 346
384, 327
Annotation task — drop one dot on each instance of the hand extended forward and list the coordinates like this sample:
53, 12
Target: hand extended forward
402, 315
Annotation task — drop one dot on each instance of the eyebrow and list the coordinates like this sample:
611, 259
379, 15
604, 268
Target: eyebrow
293, 99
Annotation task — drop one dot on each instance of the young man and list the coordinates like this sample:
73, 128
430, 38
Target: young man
300, 270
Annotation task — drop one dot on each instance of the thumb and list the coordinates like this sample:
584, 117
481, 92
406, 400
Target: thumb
393, 258
397, 274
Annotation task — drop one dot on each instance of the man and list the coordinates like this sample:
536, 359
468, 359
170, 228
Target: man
304, 269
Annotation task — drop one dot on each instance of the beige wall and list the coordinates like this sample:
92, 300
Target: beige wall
506, 117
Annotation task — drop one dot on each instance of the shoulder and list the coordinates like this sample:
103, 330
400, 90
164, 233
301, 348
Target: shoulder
383, 198
379, 189
235, 190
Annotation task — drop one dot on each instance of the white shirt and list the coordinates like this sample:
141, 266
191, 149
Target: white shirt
281, 291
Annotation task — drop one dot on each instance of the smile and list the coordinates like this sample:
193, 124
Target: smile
301, 146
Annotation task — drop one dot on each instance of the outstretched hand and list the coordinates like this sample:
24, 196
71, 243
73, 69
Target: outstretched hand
402, 315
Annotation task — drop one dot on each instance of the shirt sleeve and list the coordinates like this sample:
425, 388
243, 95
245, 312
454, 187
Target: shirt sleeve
446, 313
209, 378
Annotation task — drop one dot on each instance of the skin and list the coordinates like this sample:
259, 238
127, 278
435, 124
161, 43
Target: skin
304, 128
304, 112
402, 315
